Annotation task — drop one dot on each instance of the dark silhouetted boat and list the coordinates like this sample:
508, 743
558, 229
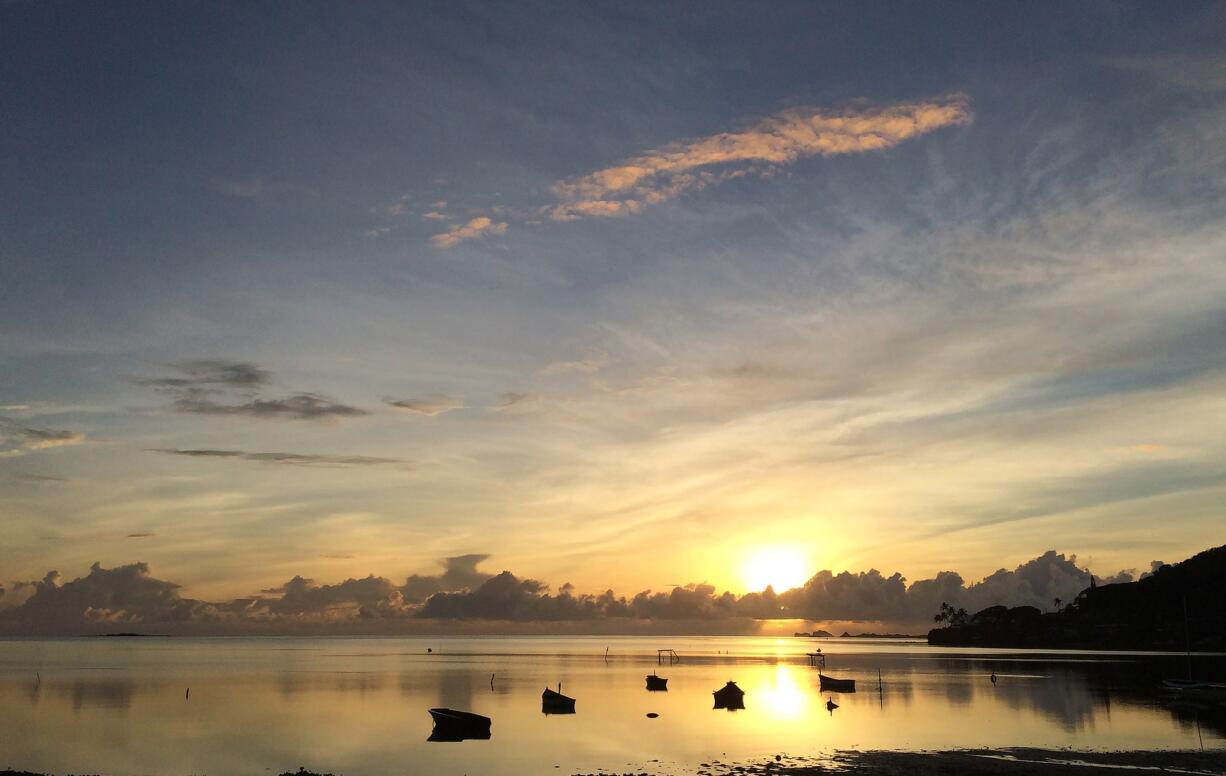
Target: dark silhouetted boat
729, 697
452, 725
829, 683
556, 703
656, 683
831, 706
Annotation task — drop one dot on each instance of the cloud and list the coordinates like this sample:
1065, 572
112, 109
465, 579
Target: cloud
1192, 73
475, 228
212, 372
300, 406
219, 387
459, 573
659, 175
126, 594
129, 595
16, 439
587, 365
434, 215
431, 405
291, 459
141, 535
514, 401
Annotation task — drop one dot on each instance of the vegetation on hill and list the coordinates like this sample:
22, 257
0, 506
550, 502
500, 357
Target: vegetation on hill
1175, 608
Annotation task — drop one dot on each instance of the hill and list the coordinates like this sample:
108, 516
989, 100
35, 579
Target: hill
1146, 614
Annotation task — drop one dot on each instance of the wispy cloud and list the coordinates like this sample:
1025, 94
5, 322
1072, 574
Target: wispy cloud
477, 227
431, 405
514, 401
1207, 74
290, 459
658, 175
219, 387
668, 172
16, 439
300, 406
589, 364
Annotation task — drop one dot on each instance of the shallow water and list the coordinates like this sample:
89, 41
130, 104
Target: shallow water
359, 705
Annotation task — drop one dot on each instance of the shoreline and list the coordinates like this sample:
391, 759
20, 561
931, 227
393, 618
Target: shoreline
1011, 761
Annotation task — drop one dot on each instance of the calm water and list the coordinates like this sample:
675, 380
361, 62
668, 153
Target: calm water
358, 705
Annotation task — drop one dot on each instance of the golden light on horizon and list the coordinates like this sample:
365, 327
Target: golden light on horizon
780, 566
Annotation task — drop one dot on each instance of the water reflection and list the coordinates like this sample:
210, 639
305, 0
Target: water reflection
105, 694
253, 708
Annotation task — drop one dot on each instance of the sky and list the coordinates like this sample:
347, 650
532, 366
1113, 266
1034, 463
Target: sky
625, 296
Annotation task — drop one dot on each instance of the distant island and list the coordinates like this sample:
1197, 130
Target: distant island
126, 635
817, 634
1178, 607
847, 635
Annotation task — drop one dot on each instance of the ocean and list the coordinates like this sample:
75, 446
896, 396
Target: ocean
359, 706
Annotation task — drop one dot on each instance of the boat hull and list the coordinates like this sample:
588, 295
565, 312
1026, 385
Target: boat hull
452, 725
556, 703
831, 684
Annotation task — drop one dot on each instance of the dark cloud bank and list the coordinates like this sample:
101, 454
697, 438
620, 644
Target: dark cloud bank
464, 599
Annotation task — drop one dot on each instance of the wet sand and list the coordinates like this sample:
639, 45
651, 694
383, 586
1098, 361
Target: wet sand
985, 762
980, 762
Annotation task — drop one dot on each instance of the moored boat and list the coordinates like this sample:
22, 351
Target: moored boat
453, 725
656, 683
829, 683
556, 703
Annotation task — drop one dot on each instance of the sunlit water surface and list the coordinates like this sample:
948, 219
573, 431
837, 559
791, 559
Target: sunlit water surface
359, 705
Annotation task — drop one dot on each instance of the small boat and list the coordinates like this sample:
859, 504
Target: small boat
829, 683
1195, 688
452, 725
831, 706
656, 683
729, 697
556, 703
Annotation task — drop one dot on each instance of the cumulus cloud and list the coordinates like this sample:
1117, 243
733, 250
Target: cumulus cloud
459, 573
477, 227
662, 174
291, 459
431, 405
16, 438
130, 595
218, 387
126, 594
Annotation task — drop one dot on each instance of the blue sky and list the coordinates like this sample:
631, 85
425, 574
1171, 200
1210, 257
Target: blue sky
326, 289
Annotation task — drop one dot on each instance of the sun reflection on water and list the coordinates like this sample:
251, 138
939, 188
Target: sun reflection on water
781, 695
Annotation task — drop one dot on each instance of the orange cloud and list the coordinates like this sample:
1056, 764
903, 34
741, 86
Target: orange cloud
675, 169
469, 231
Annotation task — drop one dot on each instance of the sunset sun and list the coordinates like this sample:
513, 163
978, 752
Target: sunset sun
779, 566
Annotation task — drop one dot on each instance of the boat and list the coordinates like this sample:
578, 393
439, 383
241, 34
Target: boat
452, 725
656, 683
836, 685
556, 703
1195, 688
831, 706
729, 697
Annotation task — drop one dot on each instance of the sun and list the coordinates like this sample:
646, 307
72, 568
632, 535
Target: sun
780, 566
